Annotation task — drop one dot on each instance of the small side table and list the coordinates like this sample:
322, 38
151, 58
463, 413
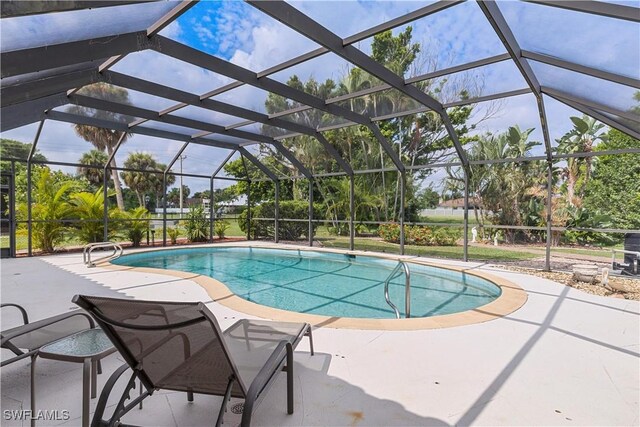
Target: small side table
86, 347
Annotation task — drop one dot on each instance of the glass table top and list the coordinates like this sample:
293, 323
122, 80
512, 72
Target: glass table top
88, 343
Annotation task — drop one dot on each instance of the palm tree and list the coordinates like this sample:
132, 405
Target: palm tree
94, 175
101, 138
146, 182
586, 131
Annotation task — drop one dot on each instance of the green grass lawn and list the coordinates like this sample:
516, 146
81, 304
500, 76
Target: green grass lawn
482, 253
602, 253
454, 252
447, 219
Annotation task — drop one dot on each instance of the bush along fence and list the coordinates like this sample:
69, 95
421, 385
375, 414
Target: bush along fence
420, 235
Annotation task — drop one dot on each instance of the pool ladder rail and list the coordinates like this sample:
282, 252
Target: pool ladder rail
88, 250
402, 267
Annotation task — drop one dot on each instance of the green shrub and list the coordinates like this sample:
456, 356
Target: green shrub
389, 232
197, 225
220, 228
446, 236
89, 207
288, 230
136, 228
48, 210
173, 234
421, 235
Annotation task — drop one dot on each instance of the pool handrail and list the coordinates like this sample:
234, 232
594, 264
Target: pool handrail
407, 289
88, 249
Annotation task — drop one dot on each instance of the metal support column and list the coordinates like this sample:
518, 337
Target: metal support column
547, 258
212, 211
164, 209
352, 208
105, 206
29, 233
29, 182
276, 213
465, 250
12, 211
401, 213
310, 212
248, 209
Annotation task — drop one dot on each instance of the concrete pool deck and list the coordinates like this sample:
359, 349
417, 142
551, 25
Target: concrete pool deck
564, 358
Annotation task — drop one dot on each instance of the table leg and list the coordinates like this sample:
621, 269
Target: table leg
86, 373
33, 389
94, 380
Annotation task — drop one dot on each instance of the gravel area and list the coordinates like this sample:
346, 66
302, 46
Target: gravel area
618, 287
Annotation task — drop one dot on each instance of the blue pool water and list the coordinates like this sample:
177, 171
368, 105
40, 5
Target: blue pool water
324, 283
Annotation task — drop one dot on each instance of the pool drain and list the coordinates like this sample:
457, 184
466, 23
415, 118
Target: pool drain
237, 408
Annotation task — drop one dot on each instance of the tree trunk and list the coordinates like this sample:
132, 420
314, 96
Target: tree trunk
116, 180
571, 185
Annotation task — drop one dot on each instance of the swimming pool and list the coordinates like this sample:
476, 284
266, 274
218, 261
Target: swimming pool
328, 284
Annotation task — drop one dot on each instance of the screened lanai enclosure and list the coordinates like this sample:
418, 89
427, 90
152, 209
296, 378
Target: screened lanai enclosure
490, 130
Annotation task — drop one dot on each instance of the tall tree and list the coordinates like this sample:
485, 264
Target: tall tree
173, 195
614, 189
502, 192
95, 175
580, 139
148, 175
104, 139
10, 148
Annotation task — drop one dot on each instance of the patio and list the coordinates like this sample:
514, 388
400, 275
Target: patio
292, 125
564, 358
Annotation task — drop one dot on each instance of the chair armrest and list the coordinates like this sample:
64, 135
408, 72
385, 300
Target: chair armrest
25, 317
30, 327
270, 368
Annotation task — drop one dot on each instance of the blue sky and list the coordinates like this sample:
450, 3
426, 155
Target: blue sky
237, 32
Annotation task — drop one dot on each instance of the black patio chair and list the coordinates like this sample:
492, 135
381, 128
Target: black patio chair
185, 350
25, 340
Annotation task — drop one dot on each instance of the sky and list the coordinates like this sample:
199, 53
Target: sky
241, 34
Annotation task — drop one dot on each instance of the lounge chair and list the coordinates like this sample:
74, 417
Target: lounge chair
26, 339
180, 346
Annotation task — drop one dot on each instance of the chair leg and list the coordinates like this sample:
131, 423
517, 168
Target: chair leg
140, 406
289, 378
310, 335
33, 388
190, 396
225, 399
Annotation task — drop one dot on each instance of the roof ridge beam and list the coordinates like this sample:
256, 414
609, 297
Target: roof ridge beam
293, 159
258, 164
23, 61
596, 115
583, 69
504, 33
591, 104
610, 10
12, 9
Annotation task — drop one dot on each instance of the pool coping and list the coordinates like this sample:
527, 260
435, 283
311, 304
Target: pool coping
512, 296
